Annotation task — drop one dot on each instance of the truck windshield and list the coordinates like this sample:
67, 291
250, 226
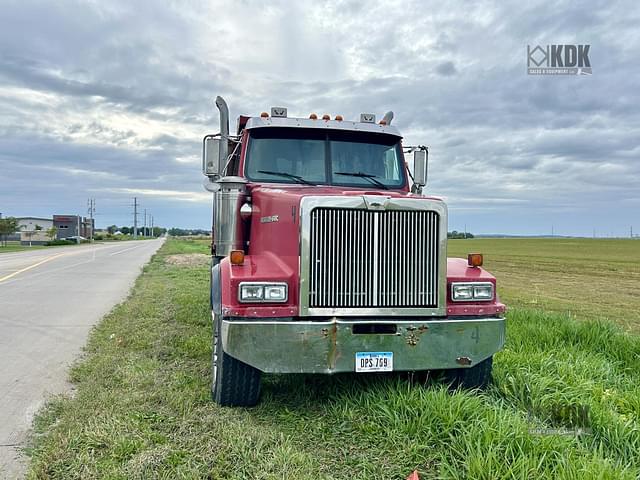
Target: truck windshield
334, 157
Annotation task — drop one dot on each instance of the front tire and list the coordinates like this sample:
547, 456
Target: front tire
234, 383
478, 376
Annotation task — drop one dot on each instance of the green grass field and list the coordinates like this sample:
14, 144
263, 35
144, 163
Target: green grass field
583, 278
142, 407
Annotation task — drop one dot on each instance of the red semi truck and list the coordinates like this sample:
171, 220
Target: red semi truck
327, 257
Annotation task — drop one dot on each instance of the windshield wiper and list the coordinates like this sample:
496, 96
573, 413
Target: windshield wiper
297, 178
372, 178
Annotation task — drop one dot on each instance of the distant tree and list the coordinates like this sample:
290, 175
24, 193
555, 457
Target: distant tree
456, 234
125, 230
52, 233
38, 227
8, 226
183, 232
112, 229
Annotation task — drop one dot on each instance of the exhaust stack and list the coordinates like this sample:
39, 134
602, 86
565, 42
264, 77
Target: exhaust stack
224, 133
228, 226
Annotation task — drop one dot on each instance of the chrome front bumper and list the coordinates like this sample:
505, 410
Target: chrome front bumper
331, 346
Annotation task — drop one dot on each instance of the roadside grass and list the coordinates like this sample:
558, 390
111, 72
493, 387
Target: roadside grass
580, 277
17, 247
565, 404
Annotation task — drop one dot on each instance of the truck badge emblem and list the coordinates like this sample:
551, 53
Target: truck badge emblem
269, 219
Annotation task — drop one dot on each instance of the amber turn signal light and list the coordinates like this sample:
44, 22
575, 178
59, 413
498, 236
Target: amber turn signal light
236, 257
264, 115
475, 259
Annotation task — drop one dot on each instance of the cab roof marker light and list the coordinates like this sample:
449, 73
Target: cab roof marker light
264, 115
326, 117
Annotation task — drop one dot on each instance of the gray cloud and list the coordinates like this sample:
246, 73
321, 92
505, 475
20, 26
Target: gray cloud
446, 69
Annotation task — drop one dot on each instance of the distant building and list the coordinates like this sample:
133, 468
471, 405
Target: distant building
29, 224
33, 230
73, 225
34, 237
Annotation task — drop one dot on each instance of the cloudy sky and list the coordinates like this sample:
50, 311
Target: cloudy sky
110, 100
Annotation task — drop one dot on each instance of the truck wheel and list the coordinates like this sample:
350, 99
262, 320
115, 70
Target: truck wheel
234, 383
478, 376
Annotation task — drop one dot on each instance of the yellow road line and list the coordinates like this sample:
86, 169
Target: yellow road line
17, 272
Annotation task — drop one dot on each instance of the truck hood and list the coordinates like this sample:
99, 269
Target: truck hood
299, 191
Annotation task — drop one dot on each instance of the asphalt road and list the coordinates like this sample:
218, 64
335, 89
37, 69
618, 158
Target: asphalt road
49, 300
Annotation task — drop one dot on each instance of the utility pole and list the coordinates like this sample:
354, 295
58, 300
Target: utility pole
631, 230
552, 230
91, 210
152, 231
144, 234
78, 233
135, 217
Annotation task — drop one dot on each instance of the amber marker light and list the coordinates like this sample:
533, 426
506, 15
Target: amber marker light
382, 122
326, 117
339, 118
236, 257
475, 259
313, 116
264, 115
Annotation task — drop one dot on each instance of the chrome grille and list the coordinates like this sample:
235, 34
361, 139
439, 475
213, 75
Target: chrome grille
365, 258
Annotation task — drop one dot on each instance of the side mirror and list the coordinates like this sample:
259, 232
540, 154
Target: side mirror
210, 156
420, 165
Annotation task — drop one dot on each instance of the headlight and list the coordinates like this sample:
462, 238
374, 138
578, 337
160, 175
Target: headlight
257, 292
470, 292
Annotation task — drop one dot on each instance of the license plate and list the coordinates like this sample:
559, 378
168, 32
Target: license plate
374, 361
